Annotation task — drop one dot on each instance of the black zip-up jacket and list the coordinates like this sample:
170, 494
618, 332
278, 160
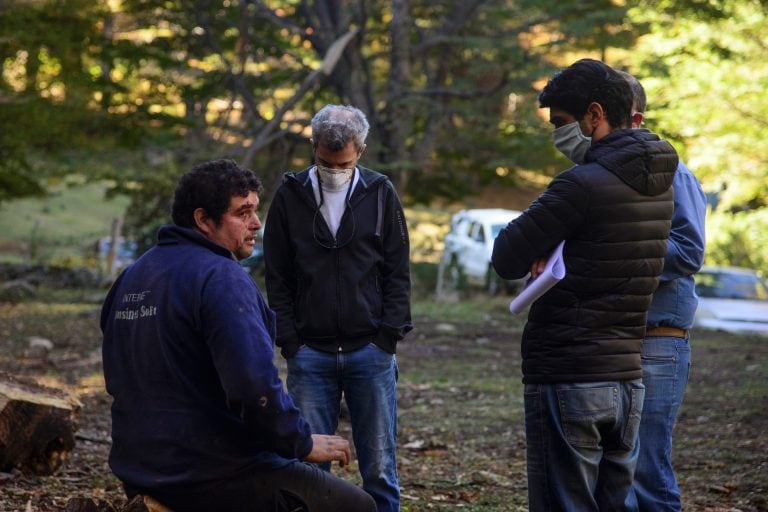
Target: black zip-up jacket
614, 212
343, 293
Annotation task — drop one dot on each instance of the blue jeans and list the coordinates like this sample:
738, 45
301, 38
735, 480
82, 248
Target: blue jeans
581, 444
666, 362
368, 379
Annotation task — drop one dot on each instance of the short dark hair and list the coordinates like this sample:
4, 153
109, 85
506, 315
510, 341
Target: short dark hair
211, 186
639, 100
585, 81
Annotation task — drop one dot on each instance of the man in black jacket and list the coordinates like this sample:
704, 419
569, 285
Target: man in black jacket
581, 344
337, 274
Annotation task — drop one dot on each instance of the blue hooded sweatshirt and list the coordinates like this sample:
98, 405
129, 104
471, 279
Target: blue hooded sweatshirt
188, 358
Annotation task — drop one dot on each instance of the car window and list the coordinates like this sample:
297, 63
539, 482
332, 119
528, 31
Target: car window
495, 229
479, 233
725, 285
473, 230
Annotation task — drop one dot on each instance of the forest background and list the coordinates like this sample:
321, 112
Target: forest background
122, 96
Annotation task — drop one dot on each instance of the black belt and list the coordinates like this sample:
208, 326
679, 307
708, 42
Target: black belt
672, 332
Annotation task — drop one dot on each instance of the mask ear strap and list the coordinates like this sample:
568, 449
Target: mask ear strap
319, 189
349, 189
380, 212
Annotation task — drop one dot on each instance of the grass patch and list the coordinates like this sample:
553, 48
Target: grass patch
62, 227
477, 310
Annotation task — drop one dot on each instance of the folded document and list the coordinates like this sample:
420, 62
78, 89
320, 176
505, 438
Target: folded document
553, 273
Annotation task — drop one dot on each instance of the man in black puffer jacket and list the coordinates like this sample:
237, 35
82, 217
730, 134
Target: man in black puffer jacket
581, 344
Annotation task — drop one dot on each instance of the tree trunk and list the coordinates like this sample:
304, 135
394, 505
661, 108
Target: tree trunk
398, 117
37, 426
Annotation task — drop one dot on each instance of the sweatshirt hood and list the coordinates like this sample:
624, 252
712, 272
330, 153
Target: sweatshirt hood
173, 235
301, 183
638, 157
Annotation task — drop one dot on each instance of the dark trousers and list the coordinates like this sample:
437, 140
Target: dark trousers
298, 487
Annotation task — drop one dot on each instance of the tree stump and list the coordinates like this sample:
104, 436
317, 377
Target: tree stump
37, 426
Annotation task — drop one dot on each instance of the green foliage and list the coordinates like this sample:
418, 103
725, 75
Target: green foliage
450, 89
705, 74
702, 64
738, 239
48, 51
243, 75
16, 176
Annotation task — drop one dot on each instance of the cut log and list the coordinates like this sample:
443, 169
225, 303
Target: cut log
37, 426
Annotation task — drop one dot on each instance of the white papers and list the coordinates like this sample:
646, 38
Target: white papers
553, 272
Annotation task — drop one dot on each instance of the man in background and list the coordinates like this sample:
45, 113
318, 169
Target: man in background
336, 250
200, 420
581, 344
666, 353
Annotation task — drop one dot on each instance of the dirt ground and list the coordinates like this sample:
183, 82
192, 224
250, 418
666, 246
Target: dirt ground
461, 436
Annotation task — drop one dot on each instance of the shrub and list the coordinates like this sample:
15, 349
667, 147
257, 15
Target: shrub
738, 239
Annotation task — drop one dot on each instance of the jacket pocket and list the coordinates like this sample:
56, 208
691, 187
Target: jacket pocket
366, 309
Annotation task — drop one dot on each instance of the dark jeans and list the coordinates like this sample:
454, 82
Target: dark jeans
298, 487
582, 445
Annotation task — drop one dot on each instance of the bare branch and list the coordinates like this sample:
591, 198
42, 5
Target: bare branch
332, 56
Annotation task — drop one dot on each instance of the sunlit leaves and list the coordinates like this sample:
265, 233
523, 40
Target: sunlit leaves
706, 77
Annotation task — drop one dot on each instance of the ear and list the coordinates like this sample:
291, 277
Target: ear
361, 150
637, 119
203, 222
595, 113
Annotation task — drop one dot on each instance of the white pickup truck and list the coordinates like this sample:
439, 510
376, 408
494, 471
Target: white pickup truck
466, 259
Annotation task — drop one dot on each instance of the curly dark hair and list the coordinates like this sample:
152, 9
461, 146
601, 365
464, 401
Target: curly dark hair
211, 186
585, 81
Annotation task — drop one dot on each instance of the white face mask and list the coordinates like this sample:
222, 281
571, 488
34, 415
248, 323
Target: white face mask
571, 142
334, 179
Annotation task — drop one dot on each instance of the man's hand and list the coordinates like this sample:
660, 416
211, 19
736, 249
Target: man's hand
328, 449
537, 267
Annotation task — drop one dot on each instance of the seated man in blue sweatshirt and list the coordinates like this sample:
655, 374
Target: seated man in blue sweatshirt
200, 420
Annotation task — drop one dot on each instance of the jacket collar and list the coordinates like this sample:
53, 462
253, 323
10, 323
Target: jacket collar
172, 234
367, 181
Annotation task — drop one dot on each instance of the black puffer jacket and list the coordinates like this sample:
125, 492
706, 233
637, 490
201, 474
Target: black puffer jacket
338, 298
614, 212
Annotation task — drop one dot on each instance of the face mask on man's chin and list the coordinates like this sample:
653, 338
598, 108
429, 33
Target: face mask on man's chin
571, 142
